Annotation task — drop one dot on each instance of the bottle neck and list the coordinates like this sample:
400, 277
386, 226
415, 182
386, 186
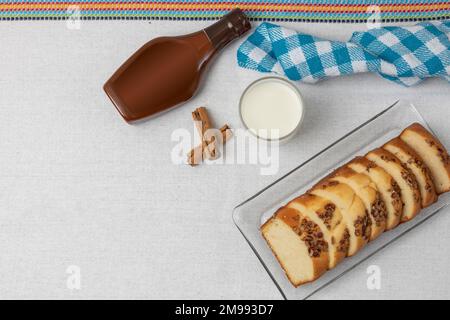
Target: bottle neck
228, 28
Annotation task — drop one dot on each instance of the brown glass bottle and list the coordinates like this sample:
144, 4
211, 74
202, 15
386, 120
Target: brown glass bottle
167, 70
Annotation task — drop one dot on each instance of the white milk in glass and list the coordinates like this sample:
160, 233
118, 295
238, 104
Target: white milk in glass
271, 108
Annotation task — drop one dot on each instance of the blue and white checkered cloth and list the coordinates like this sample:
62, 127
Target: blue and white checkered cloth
405, 55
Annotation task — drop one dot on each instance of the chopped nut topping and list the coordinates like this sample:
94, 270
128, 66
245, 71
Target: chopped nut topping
327, 215
362, 227
445, 158
396, 196
371, 165
387, 158
311, 234
378, 210
344, 243
409, 178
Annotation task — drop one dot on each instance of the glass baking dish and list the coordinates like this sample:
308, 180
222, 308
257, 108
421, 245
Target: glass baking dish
252, 213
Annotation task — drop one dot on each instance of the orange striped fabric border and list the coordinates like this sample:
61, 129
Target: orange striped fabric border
309, 10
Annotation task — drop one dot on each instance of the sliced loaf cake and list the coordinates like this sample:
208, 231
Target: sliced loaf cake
367, 191
353, 211
386, 185
357, 202
298, 244
409, 187
433, 154
414, 163
329, 218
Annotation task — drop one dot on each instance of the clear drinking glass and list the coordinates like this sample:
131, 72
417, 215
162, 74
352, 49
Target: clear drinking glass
288, 83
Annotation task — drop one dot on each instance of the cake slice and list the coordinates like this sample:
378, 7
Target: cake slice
410, 192
416, 165
386, 185
367, 191
354, 213
433, 153
329, 218
298, 245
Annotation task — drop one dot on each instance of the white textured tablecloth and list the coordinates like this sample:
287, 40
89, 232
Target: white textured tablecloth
80, 187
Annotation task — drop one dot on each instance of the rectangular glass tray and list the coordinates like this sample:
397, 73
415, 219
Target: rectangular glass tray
252, 213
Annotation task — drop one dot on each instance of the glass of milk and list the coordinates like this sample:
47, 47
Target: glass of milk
272, 108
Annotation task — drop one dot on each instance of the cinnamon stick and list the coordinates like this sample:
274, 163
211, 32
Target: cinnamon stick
203, 124
196, 155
